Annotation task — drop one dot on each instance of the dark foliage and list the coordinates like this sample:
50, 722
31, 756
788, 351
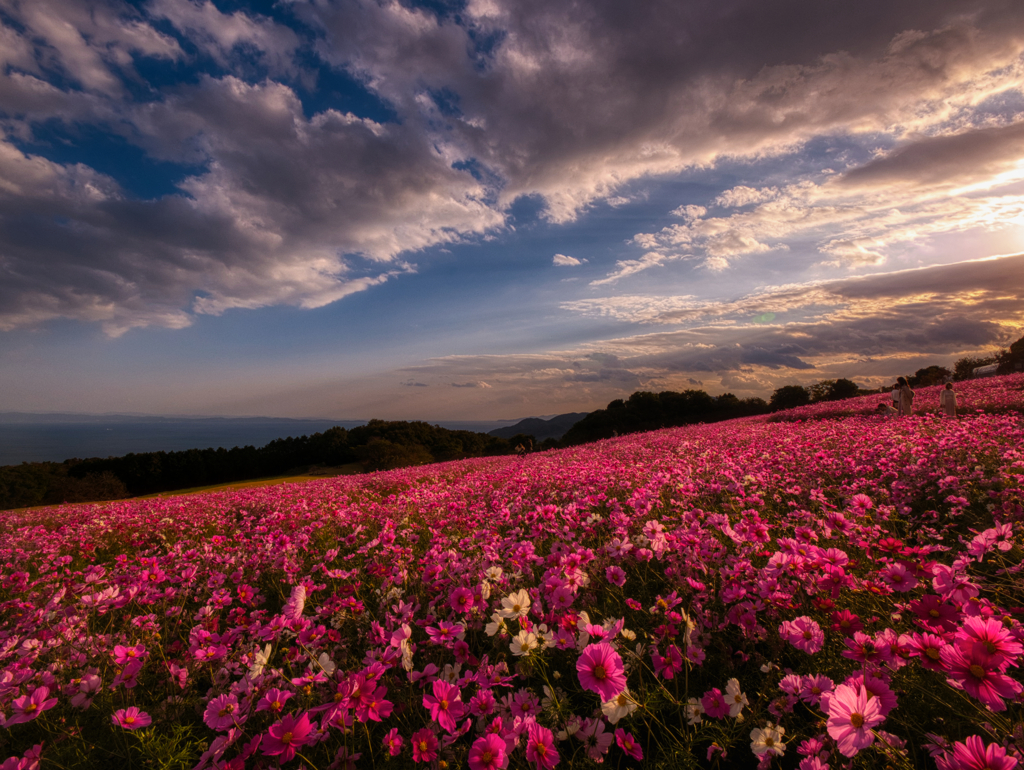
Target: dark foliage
788, 397
645, 411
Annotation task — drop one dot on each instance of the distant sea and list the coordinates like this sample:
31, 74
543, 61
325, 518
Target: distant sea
57, 437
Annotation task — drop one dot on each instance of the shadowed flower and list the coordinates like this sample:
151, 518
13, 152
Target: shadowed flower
973, 754
130, 718
284, 738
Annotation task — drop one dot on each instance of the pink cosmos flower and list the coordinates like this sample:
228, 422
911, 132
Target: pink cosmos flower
28, 707
296, 603
461, 600
804, 634
488, 753
928, 649
540, 747
615, 575
628, 744
130, 718
934, 614
424, 746
393, 742
851, 717
990, 640
670, 664
976, 674
123, 655
286, 737
973, 754
714, 704
373, 706
814, 687
596, 740
273, 701
445, 705
846, 623
898, 577
600, 670
221, 713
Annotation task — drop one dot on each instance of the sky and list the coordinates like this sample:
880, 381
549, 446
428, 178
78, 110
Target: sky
494, 209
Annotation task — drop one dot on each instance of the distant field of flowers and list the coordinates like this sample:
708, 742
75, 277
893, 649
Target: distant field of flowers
999, 394
827, 593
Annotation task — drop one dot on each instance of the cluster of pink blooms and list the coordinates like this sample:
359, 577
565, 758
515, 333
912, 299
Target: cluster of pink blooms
999, 394
743, 589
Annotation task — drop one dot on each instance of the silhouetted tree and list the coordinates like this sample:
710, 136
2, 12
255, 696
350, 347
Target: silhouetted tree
788, 397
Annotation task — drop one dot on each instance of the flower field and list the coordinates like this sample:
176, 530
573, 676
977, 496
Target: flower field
842, 592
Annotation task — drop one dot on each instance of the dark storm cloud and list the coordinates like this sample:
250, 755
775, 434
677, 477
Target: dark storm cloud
975, 154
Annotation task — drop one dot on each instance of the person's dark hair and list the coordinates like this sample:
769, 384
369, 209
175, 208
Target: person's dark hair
901, 380
949, 386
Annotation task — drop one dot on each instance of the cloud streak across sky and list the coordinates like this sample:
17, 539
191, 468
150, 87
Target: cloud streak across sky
171, 162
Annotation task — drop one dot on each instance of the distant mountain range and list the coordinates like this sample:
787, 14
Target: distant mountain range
541, 429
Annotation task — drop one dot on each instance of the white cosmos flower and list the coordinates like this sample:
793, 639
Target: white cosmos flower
768, 740
735, 697
515, 605
326, 664
260, 660
618, 707
523, 642
497, 624
694, 710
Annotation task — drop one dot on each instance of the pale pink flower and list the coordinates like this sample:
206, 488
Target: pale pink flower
851, 717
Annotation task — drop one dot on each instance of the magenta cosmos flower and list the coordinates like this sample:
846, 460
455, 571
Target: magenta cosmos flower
540, 747
445, 704
973, 754
131, 718
488, 753
286, 737
979, 676
424, 746
600, 670
851, 716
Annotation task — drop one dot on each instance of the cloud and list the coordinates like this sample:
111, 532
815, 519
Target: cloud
563, 260
744, 196
554, 101
414, 384
478, 384
228, 37
627, 267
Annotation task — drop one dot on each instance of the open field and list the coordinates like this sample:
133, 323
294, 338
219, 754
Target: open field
839, 590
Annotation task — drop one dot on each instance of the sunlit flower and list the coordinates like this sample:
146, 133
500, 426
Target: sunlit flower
600, 670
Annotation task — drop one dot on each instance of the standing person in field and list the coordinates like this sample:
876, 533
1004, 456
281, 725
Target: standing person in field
896, 396
947, 401
906, 396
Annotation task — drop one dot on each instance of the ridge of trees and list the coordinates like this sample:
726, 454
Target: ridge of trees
378, 445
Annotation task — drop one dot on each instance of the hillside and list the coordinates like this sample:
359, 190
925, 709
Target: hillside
540, 428
754, 592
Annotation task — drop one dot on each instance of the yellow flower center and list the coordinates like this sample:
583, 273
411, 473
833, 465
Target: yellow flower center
857, 720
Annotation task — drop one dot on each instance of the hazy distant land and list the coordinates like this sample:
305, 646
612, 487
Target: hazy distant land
55, 437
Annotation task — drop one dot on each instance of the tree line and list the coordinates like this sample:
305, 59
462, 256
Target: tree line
378, 445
